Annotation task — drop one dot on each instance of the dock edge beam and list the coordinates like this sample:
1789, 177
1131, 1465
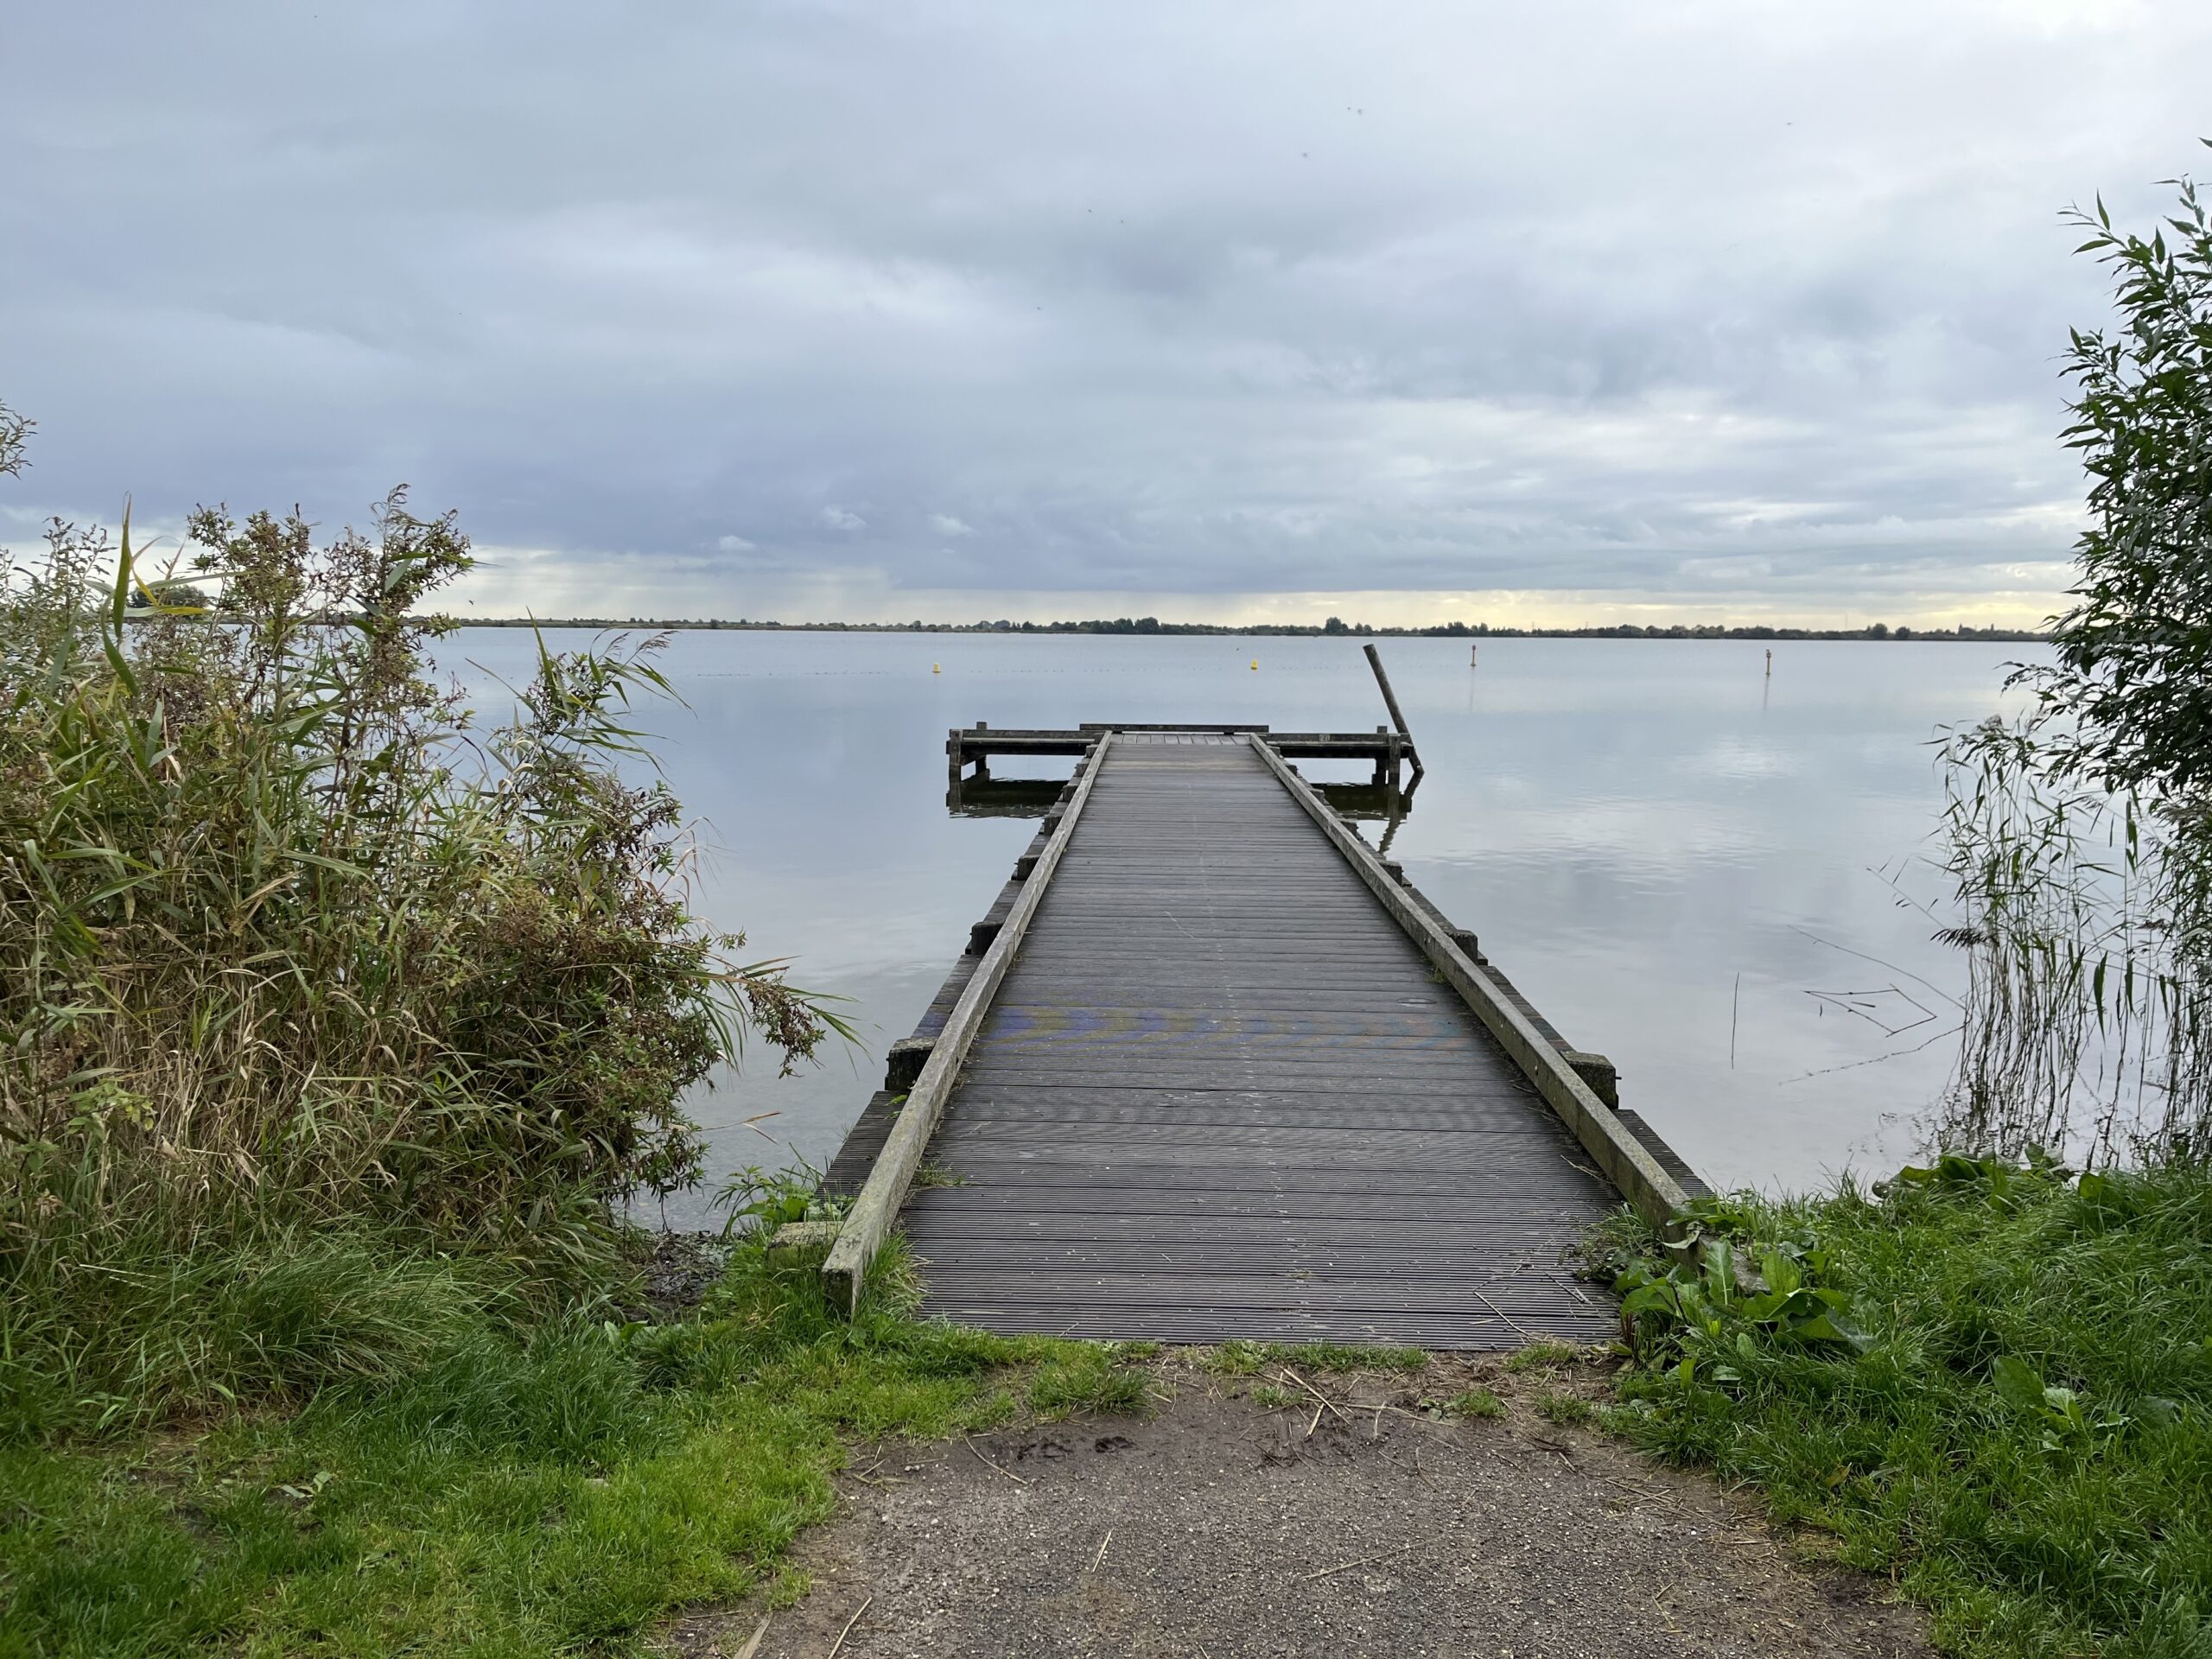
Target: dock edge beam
875, 1210
1635, 1173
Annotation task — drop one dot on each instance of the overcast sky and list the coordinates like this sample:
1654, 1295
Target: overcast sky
1413, 311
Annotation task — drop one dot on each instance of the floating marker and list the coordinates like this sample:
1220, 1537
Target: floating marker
933, 668
1256, 664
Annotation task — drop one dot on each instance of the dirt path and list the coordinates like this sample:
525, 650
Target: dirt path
1221, 1528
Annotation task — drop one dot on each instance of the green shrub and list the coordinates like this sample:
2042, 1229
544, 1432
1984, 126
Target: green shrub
1994, 1382
290, 949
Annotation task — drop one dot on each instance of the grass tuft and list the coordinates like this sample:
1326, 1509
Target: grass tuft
1232, 1359
1093, 1379
1565, 1408
1543, 1354
1476, 1403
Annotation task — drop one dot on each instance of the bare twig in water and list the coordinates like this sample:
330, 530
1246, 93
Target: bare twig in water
1735, 1003
1894, 1054
1866, 1005
1905, 972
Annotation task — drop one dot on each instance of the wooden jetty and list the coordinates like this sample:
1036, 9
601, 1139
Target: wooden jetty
1211, 1069
968, 752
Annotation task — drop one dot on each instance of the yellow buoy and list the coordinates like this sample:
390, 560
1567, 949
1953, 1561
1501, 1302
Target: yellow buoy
933, 668
1256, 664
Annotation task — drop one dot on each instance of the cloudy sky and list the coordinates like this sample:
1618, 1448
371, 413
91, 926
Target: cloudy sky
1583, 312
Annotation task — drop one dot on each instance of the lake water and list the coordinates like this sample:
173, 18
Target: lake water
1674, 854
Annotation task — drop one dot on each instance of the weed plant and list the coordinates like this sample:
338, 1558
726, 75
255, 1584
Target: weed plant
1992, 1382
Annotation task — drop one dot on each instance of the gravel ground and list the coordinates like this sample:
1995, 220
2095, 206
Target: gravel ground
1220, 1528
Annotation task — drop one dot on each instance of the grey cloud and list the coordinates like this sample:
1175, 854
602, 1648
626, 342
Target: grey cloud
1715, 299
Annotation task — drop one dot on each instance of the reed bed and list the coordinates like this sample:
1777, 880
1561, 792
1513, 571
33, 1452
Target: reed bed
294, 954
2086, 918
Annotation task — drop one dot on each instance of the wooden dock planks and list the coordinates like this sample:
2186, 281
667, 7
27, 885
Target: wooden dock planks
1221, 1094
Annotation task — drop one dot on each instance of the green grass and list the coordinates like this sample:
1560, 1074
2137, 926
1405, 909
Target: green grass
1544, 1354
507, 1490
1100, 1378
2022, 1433
1476, 1403
1564, 1409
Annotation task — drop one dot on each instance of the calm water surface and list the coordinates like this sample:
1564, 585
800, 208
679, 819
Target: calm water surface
1673, 854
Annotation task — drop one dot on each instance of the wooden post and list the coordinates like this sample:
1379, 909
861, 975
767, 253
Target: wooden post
1397, 714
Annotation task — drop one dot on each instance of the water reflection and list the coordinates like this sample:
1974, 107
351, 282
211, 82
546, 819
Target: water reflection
994, 796
1002, 798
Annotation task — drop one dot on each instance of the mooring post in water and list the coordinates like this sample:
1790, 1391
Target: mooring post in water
1397, 717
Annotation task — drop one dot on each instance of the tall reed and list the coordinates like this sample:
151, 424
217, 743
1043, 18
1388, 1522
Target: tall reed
288, 940
2087, 923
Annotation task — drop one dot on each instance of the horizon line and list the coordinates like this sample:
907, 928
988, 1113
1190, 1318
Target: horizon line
1154, 627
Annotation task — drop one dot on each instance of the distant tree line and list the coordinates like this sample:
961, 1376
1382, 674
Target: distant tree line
1334, 627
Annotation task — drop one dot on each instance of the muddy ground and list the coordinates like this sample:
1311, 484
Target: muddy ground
1230, 1525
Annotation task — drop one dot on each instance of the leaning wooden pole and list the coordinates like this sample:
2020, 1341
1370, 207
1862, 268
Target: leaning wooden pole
1390, 701
875, 1210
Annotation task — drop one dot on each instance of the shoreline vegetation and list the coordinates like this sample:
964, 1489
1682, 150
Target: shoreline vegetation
1330, 630
1988, 1382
